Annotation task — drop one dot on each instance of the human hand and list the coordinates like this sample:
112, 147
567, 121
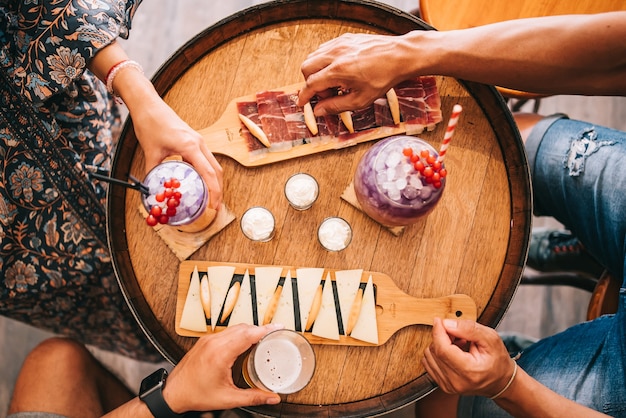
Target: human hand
202, 381
162, 133
467, 358
365, 66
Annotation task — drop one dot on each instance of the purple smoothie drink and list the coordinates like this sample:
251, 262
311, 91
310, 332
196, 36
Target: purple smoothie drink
177, 196
399, 180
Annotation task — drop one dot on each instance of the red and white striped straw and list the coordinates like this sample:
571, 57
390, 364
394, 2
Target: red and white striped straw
454, 118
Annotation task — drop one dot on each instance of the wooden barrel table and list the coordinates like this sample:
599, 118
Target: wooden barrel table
473, 243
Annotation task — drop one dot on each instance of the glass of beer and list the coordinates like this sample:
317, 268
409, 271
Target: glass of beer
282, 362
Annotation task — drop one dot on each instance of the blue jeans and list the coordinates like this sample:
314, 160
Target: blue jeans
579, 177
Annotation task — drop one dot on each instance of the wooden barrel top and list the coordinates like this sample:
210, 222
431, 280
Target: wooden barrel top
474, 242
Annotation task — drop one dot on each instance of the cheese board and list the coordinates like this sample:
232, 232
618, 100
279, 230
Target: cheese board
394, 308
225, 137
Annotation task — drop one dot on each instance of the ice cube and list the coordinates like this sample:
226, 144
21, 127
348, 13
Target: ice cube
401, 183
393, 159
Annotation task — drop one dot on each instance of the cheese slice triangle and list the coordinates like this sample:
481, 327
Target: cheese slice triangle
242, 312
266, 281
219, 283
348, 282
192, 317
308, 281
284, 311
326, 325
366, 327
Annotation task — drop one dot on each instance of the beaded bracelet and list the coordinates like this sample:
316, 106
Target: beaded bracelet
116, 69
509, 382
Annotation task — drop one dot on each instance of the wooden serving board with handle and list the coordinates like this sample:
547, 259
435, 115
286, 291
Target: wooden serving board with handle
394, 308
224, 136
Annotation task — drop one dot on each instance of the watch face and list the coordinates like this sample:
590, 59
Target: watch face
155, 379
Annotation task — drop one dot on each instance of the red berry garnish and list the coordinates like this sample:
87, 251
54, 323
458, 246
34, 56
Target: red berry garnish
163, 219
155, 211
407, 151
170, 211
428, 171
430, 159
172, 203
168, 193
177, 195
436, 177
419, 166
151, 220
436, 165
160, 197
175, 183
443, 172
167, 184
414, 158
437, 184
424, 153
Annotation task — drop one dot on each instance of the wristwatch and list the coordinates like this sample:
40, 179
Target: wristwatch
151, 392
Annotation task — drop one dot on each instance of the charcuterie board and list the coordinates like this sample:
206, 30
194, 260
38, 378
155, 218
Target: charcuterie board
394, 308
225, 136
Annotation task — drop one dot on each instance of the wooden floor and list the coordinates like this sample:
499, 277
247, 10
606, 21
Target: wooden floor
160, 28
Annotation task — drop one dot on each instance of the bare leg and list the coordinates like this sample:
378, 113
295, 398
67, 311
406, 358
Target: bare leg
61, 376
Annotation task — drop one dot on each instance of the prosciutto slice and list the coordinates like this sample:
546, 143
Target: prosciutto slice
411, 98
272, 120
251, 111
432, 100
294, 118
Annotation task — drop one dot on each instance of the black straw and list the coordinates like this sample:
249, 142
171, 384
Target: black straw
136, 185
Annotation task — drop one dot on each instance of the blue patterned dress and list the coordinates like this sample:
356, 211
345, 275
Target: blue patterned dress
56, 118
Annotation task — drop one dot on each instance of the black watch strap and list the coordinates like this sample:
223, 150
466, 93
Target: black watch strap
151, 393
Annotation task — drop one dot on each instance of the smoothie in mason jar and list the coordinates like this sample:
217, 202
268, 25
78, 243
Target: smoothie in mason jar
177, 196
399, 180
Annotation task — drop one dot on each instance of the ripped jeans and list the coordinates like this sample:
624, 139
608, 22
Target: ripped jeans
579, 177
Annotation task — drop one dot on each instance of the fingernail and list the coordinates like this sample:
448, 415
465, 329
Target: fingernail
450, 323
320, 112
275, 326
273, 400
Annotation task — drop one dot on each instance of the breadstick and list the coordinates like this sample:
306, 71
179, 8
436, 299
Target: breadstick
394, 106
354, 311
309, 118
273, 304
231, 300
205, 296
346, 118
315, 308
255, 130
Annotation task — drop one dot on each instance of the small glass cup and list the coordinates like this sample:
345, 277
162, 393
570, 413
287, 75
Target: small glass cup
399, 180
257, 224
334, 234
282, 362
301, 191
178, 181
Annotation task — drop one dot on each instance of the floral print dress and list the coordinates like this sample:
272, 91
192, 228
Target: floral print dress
56, 119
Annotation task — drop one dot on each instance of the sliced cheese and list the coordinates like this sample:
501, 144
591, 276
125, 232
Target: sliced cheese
308, 281
366, 327
219, 283
347, 287
192, 317
242, 312
284, 311
266, 281
326, 325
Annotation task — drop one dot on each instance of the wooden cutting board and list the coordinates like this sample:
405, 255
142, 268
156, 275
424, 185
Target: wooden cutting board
394, 308
224, 136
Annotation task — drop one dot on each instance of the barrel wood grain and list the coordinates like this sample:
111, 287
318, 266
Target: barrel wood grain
474, 242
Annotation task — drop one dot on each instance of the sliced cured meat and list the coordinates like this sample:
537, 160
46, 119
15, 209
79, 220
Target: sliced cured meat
272, 119
432, 100
412, 105
250, 110
363, 119
382, 113
294, 118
